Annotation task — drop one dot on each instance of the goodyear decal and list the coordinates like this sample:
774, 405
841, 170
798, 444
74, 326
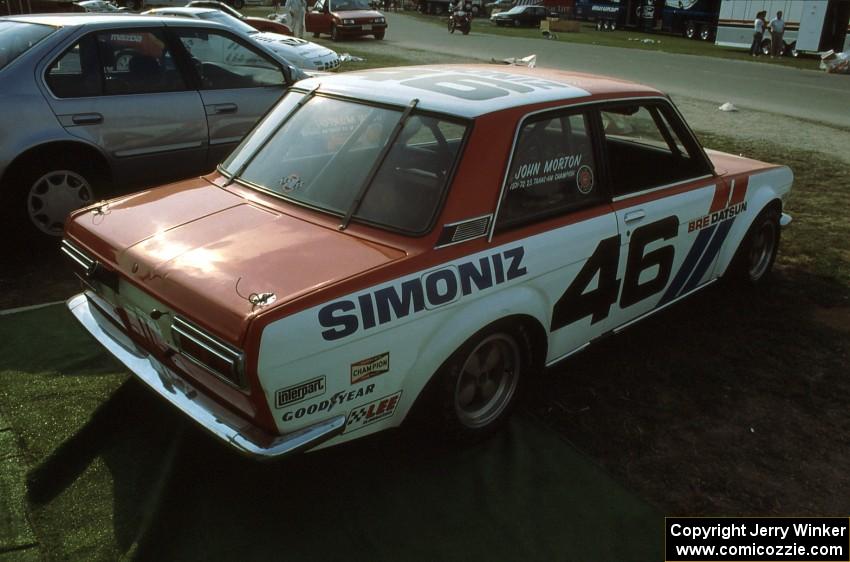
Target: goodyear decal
345, 317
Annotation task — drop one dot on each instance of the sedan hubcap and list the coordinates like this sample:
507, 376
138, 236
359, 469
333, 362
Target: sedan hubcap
487, 381
53, 196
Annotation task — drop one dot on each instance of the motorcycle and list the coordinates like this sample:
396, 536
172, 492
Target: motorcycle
461, 20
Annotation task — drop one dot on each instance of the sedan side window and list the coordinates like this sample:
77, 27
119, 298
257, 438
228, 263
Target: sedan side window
76, 74
552, 170
224, 63
135, 61
645, 151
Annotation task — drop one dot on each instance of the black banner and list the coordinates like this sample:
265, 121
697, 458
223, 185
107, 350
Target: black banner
759, 539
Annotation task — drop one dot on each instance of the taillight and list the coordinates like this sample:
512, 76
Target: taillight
209, 352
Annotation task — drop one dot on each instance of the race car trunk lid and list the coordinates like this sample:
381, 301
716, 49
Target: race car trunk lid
216, 258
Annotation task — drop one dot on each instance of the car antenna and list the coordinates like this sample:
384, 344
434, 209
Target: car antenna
355, 205
269, 137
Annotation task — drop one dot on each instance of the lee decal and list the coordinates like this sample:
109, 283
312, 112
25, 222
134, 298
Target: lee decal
378, 410
299, 392
371, 367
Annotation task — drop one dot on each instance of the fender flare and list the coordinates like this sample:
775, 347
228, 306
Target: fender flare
761, 199
464, 322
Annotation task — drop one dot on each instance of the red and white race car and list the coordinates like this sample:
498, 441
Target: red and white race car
424, 236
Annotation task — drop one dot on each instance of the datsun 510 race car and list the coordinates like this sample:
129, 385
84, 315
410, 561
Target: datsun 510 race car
421, 239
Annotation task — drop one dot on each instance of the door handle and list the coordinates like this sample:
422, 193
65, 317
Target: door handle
634, 216
218, 108
87, 118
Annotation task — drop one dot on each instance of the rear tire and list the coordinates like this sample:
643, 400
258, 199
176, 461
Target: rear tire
478, 387
38, 198
753, 262
690, 31
706, 33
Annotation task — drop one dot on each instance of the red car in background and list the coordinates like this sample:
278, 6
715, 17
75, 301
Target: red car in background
350, 18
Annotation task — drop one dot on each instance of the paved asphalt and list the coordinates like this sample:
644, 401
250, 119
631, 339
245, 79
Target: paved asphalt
805, 94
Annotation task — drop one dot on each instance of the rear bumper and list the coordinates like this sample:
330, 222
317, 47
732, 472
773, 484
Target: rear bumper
235, 431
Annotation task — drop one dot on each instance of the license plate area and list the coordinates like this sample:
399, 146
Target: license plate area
367, 28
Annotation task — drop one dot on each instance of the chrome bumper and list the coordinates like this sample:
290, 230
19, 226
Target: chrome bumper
209, 414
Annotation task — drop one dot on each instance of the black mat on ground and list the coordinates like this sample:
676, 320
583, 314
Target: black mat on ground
119, 473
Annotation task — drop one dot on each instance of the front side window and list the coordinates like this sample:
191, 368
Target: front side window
552, 170
16, 38
323, 155
224, 63
644, 149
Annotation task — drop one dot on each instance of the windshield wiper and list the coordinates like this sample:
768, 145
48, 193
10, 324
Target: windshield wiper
361, 193
271, 135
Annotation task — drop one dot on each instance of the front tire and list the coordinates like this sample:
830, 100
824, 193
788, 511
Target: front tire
753, 262
334, 33
379, 36
451, 26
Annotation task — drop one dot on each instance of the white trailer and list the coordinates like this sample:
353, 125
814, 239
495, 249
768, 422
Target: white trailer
811, 26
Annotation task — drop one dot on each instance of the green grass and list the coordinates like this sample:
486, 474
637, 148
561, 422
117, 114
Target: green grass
631, 39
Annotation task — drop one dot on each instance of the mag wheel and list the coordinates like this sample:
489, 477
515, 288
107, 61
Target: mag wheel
754, 259
477, 388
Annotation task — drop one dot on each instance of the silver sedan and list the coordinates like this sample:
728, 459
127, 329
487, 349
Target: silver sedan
101, 103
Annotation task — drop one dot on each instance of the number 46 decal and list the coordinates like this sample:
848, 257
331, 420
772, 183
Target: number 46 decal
576, 304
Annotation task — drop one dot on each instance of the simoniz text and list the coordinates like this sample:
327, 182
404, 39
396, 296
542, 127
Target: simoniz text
344, 317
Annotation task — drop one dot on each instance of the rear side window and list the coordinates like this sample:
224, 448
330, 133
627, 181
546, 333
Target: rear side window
137, 62
646, 148
121, 61
76, 73
552, 170
17, 37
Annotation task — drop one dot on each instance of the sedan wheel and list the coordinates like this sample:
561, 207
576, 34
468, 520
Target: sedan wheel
53, 196
487, 381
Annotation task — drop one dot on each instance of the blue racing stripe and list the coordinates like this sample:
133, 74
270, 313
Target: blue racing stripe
711, 253
688, 265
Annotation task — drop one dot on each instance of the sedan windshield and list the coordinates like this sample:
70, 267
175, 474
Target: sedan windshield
324, 155
17, 37
349, 5
515, 10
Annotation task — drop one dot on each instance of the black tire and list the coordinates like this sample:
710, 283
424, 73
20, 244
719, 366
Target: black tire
792, 50
516, 23
465, 30
706, 33
451, 26
478, 387
39, 196
753, 261
765, 47
316, 34
379, 36
598, 25
690, 31
238, 4
334, 33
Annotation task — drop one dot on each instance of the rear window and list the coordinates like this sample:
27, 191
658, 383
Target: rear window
17, 37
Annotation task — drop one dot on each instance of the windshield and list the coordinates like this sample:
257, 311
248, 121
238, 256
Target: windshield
515, 10
348, 5
17, 37
322, 157
228, 20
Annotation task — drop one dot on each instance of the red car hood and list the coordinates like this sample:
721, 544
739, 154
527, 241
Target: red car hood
190, 243
357, 14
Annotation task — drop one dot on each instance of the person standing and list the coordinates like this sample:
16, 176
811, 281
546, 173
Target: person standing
758, 33
297, 12
777, 30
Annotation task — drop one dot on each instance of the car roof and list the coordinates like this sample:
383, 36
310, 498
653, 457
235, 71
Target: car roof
95, 19
450, 89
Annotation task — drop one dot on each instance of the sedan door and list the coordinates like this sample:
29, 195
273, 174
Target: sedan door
121, 90
238, 84
665, 194
318, 18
